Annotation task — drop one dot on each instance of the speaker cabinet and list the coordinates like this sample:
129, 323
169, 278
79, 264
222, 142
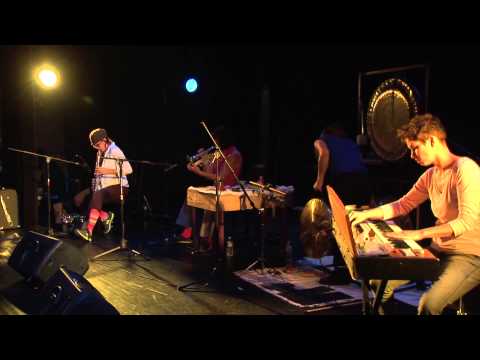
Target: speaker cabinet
8, 209
68, 293
38, 256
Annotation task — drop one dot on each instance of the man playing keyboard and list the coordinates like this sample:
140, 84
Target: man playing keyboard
452, 185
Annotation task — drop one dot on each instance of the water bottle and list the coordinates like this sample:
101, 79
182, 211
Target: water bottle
229, 253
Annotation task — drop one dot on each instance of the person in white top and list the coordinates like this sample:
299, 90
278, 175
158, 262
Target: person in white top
106, 184
452, 185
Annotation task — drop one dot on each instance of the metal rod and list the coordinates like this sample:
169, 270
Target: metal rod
45, 156
360, 103
395, 69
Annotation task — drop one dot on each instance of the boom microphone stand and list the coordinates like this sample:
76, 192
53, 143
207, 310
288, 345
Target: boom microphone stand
261, 259
217, 208
47, 161
123, 241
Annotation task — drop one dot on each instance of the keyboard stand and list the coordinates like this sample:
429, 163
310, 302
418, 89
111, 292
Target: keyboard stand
370, 308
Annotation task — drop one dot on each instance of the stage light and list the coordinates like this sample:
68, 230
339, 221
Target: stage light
191, 85
47, 77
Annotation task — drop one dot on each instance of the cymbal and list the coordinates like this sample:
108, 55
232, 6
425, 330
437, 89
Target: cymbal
315, 228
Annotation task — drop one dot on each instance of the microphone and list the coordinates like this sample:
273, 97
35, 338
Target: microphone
198, 156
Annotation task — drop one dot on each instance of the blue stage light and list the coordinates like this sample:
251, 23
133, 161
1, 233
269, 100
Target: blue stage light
191, 85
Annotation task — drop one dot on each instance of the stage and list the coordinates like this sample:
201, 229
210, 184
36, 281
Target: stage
140, 286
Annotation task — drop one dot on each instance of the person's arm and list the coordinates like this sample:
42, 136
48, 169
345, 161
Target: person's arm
416, 196
126, 167
357, 217
468, 199
196, 170
323, 153
235, 161
105, 171
377, 213
444, 230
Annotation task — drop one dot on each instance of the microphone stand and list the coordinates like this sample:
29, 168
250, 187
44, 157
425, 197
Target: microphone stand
142, 201
261, 259
123, 241
47, 161
217, 209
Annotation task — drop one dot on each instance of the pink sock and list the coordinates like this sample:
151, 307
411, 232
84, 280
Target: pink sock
92, 219
103, 215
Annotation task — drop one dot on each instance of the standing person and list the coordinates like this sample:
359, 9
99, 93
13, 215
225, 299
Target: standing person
339, 164
224, 139
451, 184
106, 187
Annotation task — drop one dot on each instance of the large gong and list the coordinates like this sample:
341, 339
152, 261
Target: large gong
392, 105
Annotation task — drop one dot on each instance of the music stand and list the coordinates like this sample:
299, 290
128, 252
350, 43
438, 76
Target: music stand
123, 241
47, 158
205, 283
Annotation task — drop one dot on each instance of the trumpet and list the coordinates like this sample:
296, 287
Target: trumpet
202, 158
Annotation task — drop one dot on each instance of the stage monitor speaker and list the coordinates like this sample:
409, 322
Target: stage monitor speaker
8, 209
68, 293
38, 257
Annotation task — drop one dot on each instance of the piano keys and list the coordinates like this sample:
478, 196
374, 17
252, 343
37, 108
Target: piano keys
374, 231
369, 254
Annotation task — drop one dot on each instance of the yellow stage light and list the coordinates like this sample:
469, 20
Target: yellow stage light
47, 77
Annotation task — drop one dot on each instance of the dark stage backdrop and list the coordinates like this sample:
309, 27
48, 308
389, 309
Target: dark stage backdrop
137, 94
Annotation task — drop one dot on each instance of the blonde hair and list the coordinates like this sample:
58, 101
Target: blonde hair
420, 126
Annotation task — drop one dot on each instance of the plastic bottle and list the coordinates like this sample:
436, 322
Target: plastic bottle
229, 253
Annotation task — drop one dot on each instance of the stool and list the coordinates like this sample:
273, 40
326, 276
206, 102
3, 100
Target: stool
469, 303
461, 307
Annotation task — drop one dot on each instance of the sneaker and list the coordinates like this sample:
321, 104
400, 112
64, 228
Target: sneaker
185, 237
186, 233
84, 234
107, 224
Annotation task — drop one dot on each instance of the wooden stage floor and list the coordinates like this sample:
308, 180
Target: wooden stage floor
138, 287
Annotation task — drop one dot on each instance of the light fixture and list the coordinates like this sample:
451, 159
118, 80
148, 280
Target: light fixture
47, 77
191, 85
